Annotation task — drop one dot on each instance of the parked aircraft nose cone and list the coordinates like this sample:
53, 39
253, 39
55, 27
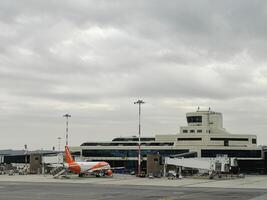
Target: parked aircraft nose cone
109, 172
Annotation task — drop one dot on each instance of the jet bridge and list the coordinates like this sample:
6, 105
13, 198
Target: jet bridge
217, 164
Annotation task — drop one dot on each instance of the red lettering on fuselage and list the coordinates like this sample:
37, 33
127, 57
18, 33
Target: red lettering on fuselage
99, 166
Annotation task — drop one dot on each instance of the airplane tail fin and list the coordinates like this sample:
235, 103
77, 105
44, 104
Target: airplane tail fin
69, 158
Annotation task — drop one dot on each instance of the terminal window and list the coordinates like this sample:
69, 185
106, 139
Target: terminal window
230, 139
125, 153
231, 153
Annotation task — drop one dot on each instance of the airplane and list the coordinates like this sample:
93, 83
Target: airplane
84, 168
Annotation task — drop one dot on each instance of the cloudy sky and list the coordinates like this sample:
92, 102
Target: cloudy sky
94, 58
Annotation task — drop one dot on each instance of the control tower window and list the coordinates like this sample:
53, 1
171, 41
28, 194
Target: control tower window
185, 131
194, 119
254, 141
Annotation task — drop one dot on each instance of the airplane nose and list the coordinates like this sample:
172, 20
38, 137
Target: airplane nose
109, 173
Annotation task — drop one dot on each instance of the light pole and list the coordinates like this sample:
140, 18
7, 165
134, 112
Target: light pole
67, 128
59, 138
26, 152
139, 102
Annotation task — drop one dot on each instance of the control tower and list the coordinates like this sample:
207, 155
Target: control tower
205, 128
209, 122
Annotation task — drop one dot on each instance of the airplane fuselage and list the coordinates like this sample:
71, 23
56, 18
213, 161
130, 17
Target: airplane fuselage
87, 167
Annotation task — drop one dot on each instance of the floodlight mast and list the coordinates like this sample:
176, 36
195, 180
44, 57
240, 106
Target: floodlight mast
67, 128
26, 153
139, 102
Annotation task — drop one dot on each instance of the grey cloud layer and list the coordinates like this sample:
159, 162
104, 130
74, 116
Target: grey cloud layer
93, 58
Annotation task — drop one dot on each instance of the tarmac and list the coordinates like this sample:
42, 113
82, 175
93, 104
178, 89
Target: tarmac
252, 181
128, 187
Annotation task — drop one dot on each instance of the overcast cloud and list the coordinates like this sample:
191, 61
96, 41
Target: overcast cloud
93, 59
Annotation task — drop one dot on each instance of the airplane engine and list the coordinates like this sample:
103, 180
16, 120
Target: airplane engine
109, 172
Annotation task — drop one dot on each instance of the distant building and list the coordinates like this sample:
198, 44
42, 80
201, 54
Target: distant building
21, 156
204, 135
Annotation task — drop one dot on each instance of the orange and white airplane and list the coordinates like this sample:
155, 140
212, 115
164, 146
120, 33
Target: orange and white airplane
85, 168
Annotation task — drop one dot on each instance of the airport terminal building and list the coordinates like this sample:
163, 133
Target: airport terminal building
204, 136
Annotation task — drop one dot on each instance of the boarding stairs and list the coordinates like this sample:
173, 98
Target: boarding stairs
58, 171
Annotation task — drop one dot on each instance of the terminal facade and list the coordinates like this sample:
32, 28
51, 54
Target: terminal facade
204, 136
